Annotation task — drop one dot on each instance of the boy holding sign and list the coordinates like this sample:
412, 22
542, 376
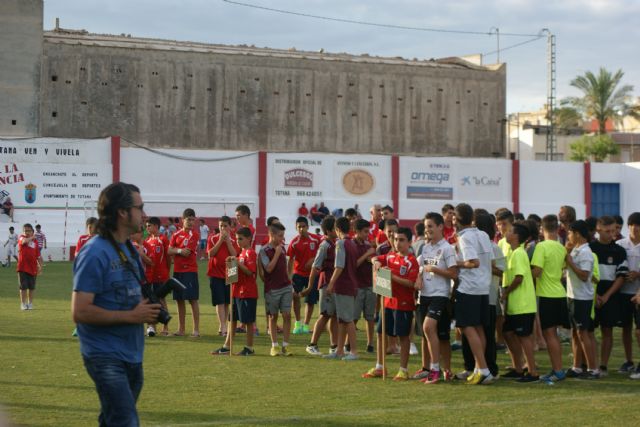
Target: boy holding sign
241, 271
398, 310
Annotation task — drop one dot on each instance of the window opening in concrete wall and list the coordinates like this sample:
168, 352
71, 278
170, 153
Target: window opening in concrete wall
68, 82
54, 78
14, 122
54, 114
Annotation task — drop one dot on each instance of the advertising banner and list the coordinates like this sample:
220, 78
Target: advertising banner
48, 172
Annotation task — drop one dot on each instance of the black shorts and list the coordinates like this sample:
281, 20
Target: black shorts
27, 281
300, 283
244, 310
190, 280
397, 322
553, 312
580, 314
627, 309
521, 324
608, 315
471, 310
436, 308
220, 291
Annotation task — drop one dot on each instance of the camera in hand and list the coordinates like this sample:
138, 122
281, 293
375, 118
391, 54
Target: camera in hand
160, 293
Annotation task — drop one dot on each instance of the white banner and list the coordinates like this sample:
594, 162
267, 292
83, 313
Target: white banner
46, 172
297, 177
366, 177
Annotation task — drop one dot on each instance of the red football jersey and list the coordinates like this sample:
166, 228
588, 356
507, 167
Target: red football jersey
28, 256
381, 237
405, 266
449, 234
303, 249
246, 286
373, 231
217, 263
81, 242
253, 234
185, 240
157, 248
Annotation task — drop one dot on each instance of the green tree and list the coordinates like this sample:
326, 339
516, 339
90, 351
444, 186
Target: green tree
597, 147
567, 119
602, 98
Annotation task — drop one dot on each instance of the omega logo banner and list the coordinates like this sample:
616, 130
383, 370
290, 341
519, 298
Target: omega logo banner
49, 172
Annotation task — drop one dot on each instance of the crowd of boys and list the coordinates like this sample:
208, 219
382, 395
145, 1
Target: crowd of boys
492, 275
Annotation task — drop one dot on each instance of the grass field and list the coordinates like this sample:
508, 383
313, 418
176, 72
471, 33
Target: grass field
43, 380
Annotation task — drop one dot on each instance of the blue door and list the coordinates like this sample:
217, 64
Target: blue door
605, 199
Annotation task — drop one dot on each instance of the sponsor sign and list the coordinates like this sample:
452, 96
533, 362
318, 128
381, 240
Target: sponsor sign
358, 182
482, 181
49, 173
432, 180
296, 177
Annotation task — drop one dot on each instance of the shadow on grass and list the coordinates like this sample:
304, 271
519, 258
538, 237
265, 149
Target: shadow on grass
23, 338
54, 386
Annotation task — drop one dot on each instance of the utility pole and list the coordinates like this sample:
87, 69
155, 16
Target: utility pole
551, 94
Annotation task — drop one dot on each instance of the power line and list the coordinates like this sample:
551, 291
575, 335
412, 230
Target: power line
376, 24
513, 45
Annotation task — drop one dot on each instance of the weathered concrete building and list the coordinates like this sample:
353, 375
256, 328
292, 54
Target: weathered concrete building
163, 93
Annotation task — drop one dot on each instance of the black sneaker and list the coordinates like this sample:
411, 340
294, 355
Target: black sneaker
347, 348
220, 351
589, 375
573, 374
626, 367
513, 374
370, 349
246, 352
603, 371
528, 378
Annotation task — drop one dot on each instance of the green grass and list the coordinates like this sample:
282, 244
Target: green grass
43, 380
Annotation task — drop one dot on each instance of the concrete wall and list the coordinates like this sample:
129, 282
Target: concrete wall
20, 58
181, 95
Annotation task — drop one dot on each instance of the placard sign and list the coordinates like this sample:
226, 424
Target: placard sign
382, 282
232, 272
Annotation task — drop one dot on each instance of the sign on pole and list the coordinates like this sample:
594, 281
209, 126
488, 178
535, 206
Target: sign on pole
231, 278
232, 272
382, 287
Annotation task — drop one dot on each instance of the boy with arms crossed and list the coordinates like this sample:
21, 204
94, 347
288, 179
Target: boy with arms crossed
278, 291
244, 292
301, 252
398, 310
630, 288
438, 267
184, 245
547, 267
472, 295
613, 267
520, 299
220, 247
322, 269
580, 295
343, 285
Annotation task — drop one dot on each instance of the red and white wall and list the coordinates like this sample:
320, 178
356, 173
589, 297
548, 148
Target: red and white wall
214, 182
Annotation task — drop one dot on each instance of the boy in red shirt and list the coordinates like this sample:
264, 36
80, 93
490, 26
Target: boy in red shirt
398, 310
243, 219
244, 292
220, 247
91, 225
386, 246
449, 231
366, 299
301, 252
184, 246
29, 266
157, 271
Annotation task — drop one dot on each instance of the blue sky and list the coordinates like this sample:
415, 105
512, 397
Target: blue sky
590, 33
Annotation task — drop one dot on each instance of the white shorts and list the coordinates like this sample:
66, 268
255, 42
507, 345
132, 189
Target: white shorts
12, 251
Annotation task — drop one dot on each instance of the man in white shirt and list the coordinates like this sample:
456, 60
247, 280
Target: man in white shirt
204, 235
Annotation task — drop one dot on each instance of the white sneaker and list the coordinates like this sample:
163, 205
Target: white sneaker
313, 350
635, 376
333, 350
413, 350
23, 306
29, 306
151, 331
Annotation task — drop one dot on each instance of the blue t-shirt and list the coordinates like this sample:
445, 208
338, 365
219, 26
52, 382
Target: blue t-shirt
99, 270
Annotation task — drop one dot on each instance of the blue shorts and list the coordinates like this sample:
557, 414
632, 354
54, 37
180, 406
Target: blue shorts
244, 310
220, 291
398, 322
190, 280
300, 283
203, 244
